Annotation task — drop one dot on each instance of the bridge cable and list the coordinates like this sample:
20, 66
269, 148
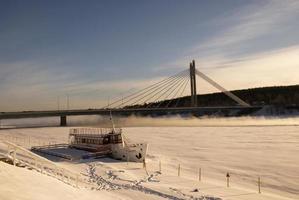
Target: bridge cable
183, 89
219, 87
144, 91
167, 89
161, 88
172, 91
141, 90
158, 93
120, 101
178, 100
176, 93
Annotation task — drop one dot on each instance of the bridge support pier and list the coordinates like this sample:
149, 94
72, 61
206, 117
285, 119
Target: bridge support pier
63, 121
193, 84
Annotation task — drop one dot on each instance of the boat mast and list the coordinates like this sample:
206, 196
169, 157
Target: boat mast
112, 122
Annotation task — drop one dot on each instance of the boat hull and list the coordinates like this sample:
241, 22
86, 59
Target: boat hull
132, 153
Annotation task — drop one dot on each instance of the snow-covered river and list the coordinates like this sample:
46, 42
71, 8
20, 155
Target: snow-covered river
245, 147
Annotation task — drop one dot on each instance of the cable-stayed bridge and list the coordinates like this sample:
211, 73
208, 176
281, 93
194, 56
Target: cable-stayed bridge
161, 98
167, 93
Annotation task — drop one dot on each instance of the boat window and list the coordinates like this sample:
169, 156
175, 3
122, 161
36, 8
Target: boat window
106, 140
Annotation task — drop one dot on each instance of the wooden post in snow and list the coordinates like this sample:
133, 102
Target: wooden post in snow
77, 180
57, 172
144, 164
160, 167
14, 156
62, 175
227, 179
69, 178
144, 167
199, 174
259, 184
8, 148
127, 156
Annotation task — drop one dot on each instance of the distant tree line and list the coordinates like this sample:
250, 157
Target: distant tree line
277, 95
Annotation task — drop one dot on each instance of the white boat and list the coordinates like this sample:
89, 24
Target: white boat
107, 141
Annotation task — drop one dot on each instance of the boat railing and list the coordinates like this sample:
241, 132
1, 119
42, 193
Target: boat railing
94, 131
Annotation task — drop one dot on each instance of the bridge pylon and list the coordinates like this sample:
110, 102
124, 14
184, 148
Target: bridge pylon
193, 84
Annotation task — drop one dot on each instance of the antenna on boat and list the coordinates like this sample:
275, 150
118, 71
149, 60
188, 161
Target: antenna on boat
113, 129
112, 122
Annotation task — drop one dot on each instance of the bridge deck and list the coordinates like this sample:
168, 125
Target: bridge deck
60, 113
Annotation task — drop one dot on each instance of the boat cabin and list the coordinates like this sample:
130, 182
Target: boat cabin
94, 139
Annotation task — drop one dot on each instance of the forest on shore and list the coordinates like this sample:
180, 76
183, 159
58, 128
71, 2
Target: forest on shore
276, 96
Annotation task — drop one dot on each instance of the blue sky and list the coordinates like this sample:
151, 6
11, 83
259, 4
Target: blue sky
92, 50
